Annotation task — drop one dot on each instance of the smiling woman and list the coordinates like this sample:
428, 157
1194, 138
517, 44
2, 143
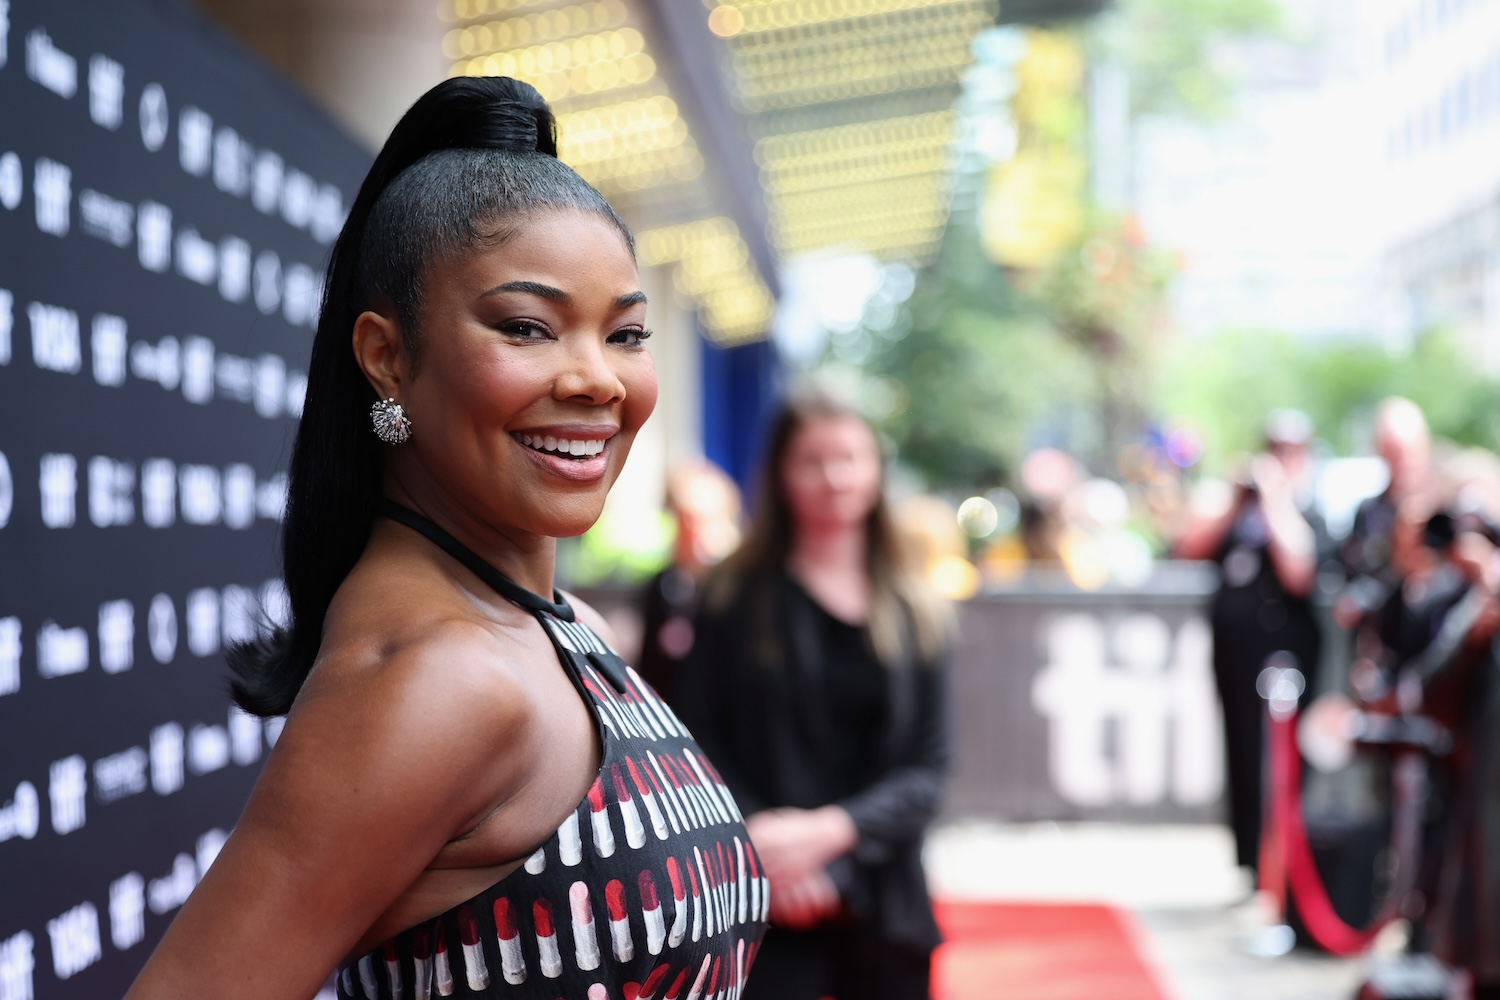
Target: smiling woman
452, 735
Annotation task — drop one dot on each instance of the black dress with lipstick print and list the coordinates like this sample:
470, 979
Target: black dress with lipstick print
649, 890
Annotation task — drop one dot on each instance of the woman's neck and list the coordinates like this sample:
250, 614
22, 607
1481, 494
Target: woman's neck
527, 559
829, 548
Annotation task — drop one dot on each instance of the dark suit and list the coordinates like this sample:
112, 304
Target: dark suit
753, 694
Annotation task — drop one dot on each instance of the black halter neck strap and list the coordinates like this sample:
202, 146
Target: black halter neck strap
503, 585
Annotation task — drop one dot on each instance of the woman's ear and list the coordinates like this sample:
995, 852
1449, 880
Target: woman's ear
380, 353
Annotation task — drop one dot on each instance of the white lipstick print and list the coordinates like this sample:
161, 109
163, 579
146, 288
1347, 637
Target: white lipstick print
569, 843
754, 883
442, 971
708, 893
635, 832
537, 863
604, 836
679, 903
742, 883
718, 780
709, 787
650, 698
658, 825
668, 794
619, 921
585, 941
683, 788
475, 969
508, 937
697, 901
393, 971
656, 928
367, 982
546, 938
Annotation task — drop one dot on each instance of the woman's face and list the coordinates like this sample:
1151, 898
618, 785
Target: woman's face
524, 347
830, 472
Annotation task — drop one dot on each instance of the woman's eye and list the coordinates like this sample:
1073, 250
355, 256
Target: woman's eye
633, 336
523, 329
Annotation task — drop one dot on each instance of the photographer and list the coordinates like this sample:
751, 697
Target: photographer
1266, 545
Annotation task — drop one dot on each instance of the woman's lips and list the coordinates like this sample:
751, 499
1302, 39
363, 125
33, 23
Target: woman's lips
584, 468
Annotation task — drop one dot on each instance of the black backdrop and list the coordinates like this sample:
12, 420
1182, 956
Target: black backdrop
166, 208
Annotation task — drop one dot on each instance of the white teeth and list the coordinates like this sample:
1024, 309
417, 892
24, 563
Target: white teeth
563, 446
578, 448
550, 444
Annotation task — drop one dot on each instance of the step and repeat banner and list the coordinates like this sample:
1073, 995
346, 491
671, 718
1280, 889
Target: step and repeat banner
166, 209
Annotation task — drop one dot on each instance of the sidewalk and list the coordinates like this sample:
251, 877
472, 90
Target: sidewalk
1179, 881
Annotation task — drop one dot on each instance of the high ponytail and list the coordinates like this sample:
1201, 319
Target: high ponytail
461, 170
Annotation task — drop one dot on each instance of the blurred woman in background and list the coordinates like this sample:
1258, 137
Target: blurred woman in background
817, 683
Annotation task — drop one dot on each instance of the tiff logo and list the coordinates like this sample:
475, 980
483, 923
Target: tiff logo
106, 91
7, 310
75, 940
1131, 710
59, 486
10, 655
116, 636
195, 136
61, 651
49, 65
68, 789
7, 491
153, 117
111, 492
55, 342
16, 966
52, 187
127, 911
167, 757
153, 235
12, 181
161, 628
108, 342
22, 815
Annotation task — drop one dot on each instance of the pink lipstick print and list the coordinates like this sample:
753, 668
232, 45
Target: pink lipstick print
697, 990
585, 942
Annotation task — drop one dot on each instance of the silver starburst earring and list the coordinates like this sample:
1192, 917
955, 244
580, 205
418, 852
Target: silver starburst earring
392, 425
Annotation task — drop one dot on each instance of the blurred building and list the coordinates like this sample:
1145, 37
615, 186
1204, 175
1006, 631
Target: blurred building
1437, 86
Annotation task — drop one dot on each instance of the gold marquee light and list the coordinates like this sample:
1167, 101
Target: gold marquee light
713, 268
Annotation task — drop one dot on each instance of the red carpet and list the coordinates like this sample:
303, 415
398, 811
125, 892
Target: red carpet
1020, 951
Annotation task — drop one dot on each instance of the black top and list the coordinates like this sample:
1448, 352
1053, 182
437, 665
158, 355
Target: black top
649, 888
760, 688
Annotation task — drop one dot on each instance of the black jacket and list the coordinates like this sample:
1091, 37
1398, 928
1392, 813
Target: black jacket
752, 694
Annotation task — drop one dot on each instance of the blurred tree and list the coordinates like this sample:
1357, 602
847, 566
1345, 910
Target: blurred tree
1225, 384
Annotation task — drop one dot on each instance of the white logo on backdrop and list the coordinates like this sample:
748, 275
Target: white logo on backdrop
166, 758
199, 493
127, 911
297, 196
59, 486
195, 136
120, 775
232, 158
105, 218
265, 187
158, 492
153, 116
161, 364
68, 788
7, 492
4, 41
116, 636
75, 940
240, 615
22, 815
206, 850
244, 736
153, 233
12, 181
198, 370
267, 281
10, 655
234, 269
55, 342
7, 320
171, 891
111, 492
203, 621
1155, 691
108, 342
61, 651
197, 258
49, 65
239, 496
16, 967
106, 91
52, 187
161, 628
208, 749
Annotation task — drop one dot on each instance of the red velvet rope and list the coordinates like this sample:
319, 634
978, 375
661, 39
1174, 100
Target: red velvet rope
1288, 847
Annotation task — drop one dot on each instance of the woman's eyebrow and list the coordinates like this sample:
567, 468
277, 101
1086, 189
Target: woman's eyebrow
631, 299
531, 288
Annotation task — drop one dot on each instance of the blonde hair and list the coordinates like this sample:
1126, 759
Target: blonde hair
908, 618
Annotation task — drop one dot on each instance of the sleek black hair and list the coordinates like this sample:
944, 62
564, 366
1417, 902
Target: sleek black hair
470, 160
